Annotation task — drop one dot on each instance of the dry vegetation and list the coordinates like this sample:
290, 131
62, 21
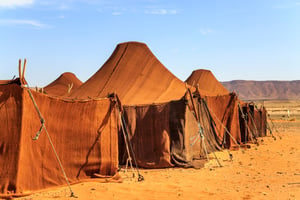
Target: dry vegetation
268, 171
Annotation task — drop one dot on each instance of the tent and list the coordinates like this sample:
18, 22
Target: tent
136, 75
255, 122
155, 106
243, 121
222, 104
83, 133
207, 83
63, 85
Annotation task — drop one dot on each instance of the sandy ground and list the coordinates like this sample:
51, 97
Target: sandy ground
268, 171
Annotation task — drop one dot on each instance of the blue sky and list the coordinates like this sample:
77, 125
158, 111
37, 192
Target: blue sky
236, 39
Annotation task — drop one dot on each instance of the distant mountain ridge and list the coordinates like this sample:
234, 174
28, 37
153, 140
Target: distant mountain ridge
258, 90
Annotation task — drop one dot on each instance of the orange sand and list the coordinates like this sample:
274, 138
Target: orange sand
268, 171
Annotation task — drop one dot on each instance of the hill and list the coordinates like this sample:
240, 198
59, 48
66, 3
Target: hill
268, 90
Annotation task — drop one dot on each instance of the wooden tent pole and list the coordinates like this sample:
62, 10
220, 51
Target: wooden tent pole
20, 71
126, 139
23, 72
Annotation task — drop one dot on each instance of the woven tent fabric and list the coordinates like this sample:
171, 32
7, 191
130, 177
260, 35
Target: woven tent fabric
222, 104
152, 150
84, 134
6, 82
63, 85
136, 75
225, 113
160, 131
206, 82
263, 121
255, 123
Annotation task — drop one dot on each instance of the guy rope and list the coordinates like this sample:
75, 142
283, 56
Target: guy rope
252, 136
273, 127
200, 128
43, 127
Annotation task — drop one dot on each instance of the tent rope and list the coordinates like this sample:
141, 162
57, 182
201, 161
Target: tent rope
50, 140
248, 128
26, 86
128, 144
255, 128
200, 132
273, 127
214, 124
225, 128
200, 128
219, 163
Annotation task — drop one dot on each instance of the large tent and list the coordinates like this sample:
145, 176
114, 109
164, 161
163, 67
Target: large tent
84, 135
63, 85
237, 121
222, 104
155, 104
136, 75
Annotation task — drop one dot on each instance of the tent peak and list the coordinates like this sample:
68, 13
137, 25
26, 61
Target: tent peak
202, 70
132, 43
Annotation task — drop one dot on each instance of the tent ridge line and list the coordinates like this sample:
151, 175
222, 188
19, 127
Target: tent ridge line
114, 69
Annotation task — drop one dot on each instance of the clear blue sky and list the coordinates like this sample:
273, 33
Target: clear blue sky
236, 39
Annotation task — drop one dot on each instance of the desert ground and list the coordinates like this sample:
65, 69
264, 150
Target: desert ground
270, 170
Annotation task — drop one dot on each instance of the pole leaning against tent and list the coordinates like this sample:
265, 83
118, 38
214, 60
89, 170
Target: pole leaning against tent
200, 128
126, 138
273, 127
247, 127
25, 85
209, 114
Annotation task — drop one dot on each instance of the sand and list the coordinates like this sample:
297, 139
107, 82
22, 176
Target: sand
268, 171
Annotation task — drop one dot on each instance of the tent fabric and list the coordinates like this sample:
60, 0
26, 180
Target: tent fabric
206, 82
222, 104
166, 135
160, 128
136, 75
225, 113
63, 85
150, 135
255, 123
263, 121
248, 127
6, 82
84, 134
207, 122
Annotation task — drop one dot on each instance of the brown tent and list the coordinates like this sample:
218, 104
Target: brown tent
136, 75
207, 83
84, 134
255, 122
222, 104
63, 85
155, 105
